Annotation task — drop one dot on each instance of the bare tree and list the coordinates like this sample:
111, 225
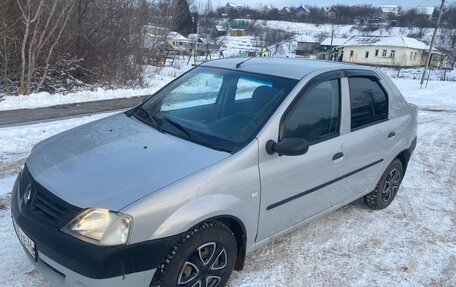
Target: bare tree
9, 43
44, 23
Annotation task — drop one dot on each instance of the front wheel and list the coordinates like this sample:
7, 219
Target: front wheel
204, 257
387, 187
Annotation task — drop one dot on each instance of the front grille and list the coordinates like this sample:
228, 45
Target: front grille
43, 205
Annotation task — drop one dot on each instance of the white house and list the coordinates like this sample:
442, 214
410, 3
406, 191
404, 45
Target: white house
393, 51
389, 10
232, 6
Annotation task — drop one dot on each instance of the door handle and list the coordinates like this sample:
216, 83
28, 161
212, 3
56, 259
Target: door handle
391, 134
338, 155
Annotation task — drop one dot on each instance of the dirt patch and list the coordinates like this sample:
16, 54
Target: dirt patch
8, 168
4, 201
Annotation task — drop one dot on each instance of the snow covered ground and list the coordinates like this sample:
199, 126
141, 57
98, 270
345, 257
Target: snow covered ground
411, 243
157, 78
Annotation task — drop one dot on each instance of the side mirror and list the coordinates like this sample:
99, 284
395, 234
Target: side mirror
288, 146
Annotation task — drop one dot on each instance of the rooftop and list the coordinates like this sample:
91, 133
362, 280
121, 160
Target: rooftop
336, 42
389, 41
176, 36
305, 39
280, 67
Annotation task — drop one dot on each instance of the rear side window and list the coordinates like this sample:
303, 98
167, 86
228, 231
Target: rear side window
369, 103
316, 115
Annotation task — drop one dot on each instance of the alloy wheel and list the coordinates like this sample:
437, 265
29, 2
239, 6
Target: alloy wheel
204, 267
391, 185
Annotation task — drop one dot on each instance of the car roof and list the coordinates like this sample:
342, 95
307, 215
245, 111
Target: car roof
293, 68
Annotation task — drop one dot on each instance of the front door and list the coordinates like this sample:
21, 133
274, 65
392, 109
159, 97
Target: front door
294, 188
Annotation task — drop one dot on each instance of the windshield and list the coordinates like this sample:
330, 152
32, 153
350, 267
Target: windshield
218, 108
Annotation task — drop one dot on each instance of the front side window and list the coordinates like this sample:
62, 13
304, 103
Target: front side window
384, 53
218, 108
369, 103
376, 52
367, 54
316, 115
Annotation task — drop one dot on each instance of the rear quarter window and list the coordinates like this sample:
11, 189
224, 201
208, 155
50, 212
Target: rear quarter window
368, 100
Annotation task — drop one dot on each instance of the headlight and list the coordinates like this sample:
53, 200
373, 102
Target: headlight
100, 226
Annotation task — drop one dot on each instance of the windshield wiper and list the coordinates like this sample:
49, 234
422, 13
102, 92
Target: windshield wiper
191, 135
152, 119
178, 126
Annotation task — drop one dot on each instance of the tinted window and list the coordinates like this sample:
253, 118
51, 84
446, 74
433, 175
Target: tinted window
316, 116
369, 103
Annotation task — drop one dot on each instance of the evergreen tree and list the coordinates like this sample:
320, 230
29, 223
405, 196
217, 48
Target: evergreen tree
183, 22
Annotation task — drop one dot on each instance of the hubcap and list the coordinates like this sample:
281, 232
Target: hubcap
391, 185
204, 267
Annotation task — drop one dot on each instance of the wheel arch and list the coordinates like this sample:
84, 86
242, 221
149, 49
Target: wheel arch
231, 211
405, 155
237, 227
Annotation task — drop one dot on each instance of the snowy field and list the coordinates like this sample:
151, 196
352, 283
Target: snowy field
346, 31
411, 243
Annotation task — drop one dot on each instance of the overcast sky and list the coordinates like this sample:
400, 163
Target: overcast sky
281, 3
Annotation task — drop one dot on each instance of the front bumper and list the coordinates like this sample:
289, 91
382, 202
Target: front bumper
68, 261
62, 276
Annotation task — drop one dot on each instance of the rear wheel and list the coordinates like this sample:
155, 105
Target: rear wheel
387, 187
204, 257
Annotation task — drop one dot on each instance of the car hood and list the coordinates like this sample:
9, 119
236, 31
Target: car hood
115, 161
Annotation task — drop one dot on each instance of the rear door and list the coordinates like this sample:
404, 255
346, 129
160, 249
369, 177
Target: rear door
371, 134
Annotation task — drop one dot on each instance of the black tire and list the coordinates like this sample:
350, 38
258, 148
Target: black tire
387, 186
205, 254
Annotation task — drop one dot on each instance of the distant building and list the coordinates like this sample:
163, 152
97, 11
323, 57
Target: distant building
337, 47
220, 30
231, 6
389, 10
241, 23
238, 32
391, 51
239, 27
178, 42
302, 10
425, 12
267, 8
307, 47
285, 11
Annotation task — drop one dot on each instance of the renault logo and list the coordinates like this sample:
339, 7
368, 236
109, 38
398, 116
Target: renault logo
27, 194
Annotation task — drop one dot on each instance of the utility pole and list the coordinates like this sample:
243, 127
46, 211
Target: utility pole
332, 20
197, 38
428, 60
331, 46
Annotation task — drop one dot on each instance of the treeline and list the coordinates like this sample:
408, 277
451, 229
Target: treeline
341, 14
50, 45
